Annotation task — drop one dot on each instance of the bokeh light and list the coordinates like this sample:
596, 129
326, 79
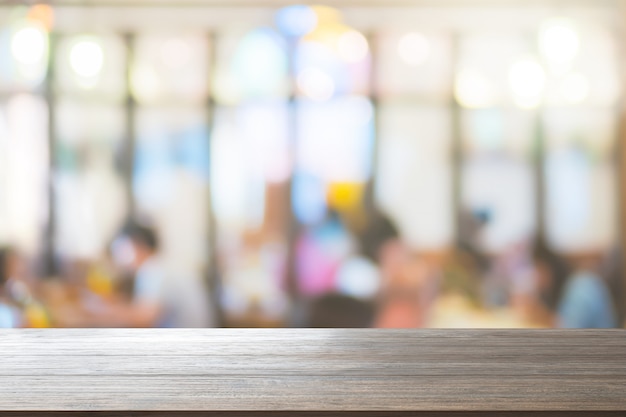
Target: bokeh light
345, 195
87, 57
260, 62
473, 89
527, 80
145, 83
352, 46
359, 278
414, 49
332, 147
29, 43
323, 57
297, 20
316, 84
558, 41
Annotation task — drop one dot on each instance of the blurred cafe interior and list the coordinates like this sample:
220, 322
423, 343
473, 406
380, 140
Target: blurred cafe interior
354, 163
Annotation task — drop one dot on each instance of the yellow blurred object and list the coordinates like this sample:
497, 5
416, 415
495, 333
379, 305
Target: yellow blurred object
36, 316
99, 282
329, 27
456, 311
328, 34
326, 14
345, 195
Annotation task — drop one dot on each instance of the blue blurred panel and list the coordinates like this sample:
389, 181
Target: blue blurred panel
296, 20
159, 154
153, 153
192, 151
308, 198
569, 185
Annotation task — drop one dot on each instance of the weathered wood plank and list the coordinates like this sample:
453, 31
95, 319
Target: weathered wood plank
313, 370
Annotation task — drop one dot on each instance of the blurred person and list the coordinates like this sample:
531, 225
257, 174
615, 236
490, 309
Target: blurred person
403, 277
335, 310
550, 273
158, 300
407, 296
586, 301
380, 237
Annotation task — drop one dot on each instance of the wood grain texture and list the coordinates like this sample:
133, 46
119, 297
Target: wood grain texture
314, 371
312, 413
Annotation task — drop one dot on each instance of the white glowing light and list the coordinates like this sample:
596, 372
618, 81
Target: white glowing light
29, 44
473, 89
574, 88
176, 53
145, 83
316, 84
527, 80
414, 49
86, 58
352, 46
559, 41
358, 277
260, 63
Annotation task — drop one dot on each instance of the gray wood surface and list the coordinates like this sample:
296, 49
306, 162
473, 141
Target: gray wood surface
312, 369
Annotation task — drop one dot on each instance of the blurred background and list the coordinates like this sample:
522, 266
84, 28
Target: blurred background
363, 163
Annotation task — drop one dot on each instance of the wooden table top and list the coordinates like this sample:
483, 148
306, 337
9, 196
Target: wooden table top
323, 370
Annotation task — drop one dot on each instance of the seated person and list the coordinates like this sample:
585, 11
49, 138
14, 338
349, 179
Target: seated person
586, 303
157, 299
